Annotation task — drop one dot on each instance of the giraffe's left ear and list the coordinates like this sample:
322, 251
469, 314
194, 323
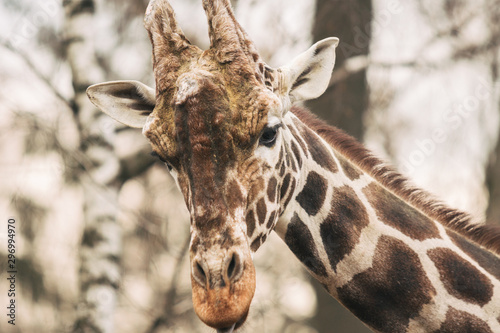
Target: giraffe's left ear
308, 75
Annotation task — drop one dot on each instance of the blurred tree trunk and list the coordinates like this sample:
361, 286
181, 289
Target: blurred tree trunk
342, 105
493, 183
345, 102
493, 168
100, 247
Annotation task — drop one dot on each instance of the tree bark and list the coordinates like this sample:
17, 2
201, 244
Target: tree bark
493, 167
493, 184
100, 247
344, 103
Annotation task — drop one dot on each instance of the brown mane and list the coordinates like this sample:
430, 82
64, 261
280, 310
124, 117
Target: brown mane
487, 236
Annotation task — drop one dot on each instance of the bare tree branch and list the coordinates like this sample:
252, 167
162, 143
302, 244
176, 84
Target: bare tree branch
70, 103
356, 64
171, 295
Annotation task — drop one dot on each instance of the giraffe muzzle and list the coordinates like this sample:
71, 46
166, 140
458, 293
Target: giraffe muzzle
223, 284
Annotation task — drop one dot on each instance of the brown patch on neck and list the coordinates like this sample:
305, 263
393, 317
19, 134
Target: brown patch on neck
460, 278
250, 221
341, 230
487, 260
484, 235
462, 322
350, 171
396, 213
392, 292
299, 239
261, 211
316, 149
313, 195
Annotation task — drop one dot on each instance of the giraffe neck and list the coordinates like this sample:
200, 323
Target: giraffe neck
387, 259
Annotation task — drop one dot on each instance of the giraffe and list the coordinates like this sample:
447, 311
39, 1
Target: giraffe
248, 161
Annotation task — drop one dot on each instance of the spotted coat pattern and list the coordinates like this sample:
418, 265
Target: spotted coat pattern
385, 259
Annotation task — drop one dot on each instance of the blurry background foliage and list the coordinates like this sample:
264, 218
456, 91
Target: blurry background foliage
102, 230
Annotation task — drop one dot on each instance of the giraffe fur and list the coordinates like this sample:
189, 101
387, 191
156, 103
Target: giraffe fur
445, 272
248, 162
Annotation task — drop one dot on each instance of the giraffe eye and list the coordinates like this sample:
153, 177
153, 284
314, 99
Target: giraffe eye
269, 135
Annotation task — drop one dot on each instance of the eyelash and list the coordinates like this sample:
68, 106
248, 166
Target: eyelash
269, 135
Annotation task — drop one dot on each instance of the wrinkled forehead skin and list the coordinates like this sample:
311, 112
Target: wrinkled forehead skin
207, 121
210, 108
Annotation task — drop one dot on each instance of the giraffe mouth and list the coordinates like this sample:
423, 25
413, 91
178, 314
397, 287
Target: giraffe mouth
226, 330
235, 326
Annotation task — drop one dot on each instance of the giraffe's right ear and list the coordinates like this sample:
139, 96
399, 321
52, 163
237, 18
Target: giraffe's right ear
129, 102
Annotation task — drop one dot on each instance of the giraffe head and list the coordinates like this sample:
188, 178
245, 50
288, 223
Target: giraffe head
215, 119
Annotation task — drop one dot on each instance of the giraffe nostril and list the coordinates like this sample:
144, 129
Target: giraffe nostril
234, 268
199, 274
211, 277
201, 271
231, 267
